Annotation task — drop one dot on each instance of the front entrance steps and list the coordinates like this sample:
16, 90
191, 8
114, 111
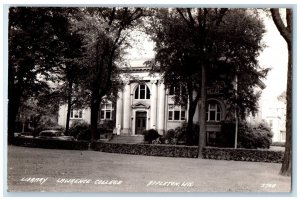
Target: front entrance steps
123, 139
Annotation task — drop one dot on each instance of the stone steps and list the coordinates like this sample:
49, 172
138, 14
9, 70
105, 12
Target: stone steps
119, 139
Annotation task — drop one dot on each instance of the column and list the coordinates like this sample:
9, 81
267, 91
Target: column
153, 106
119, 110
161, 108
126, 109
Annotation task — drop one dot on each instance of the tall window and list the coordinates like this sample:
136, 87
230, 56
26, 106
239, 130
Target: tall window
213, 112
176, 112
172, 91
106, 111
76, 114
142, 92
176, 90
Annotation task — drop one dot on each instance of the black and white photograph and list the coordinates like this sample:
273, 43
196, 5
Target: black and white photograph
149, 99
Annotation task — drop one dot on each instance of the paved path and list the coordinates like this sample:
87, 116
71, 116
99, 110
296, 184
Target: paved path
47, 170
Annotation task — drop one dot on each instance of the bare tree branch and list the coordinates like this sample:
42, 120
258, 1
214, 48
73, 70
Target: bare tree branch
283, 30
184, 18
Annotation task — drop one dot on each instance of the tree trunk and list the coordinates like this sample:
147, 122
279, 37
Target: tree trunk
286, 33
14, 101
69, 107
287, 163
12, 115
95, 105
202, 134
189, 129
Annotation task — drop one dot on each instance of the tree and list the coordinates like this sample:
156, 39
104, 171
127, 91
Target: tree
195, 46
176, 57
71, 91
286, 33
34, 47
107, 33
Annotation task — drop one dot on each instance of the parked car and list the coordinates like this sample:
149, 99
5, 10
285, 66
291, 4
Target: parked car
54, 135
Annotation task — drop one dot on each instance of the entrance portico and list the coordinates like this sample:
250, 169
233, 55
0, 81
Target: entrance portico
140, 118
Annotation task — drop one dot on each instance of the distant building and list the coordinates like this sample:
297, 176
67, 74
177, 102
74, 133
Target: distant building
273, 113
276, 119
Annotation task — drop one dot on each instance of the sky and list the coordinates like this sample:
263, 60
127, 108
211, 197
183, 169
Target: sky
274, 56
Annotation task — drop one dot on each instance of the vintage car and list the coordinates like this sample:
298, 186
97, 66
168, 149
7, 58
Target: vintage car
54, 135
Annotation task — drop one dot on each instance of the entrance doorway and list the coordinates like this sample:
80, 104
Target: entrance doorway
140, 122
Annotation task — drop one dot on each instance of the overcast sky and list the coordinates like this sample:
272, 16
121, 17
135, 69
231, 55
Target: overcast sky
275, 56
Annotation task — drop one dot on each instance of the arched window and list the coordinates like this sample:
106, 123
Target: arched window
142, 92
213, 112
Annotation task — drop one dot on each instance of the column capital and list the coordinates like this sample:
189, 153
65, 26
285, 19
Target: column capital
126, 82
160, 82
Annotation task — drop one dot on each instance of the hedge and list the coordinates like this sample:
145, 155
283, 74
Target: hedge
50, 144
252, 155
278, 144
148, 149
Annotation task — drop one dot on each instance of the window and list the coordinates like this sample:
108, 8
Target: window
106, 111
176, 112
142, 92
283, 136
172, 91
76, 114
176, 90
213, 112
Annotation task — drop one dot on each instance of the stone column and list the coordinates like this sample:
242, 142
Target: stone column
126, 109
119, 110
153, 106
161, 107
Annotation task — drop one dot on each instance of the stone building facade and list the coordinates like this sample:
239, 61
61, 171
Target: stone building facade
145, 103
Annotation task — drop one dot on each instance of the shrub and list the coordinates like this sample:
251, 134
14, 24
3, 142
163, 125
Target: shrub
264, 135
107, 126
169, 137
181, 134
80, 130
151, 135
253, 137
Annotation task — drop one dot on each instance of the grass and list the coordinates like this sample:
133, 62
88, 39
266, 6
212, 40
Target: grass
136, 172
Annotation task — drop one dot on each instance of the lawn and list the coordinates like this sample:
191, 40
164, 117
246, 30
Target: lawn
50, 170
